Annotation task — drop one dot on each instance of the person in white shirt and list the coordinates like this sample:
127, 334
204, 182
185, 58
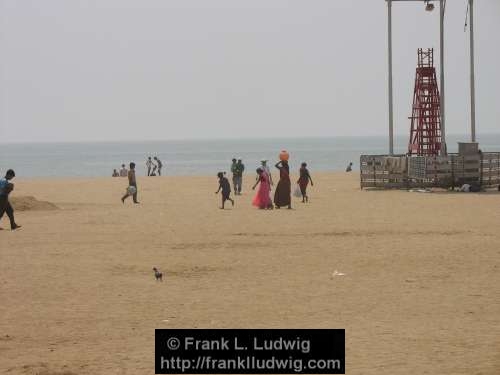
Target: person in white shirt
149, 164
123, 171
159, 164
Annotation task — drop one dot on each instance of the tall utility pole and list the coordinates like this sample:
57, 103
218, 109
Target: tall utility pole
441, 78
472, 80
389, 53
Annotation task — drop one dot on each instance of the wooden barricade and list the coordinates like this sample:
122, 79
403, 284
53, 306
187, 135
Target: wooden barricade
490, 169
453, 170
383, 171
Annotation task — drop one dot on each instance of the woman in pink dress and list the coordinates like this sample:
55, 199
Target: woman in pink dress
262, 198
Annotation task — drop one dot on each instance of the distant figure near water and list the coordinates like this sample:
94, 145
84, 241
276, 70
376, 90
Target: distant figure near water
5, 188
262, 198
132, 185
282, 195
149, 165
115, 173
349, 167
159, 164
123, 171
303, 181
225, 187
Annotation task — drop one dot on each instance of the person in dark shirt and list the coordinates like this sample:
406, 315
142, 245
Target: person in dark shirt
303, 181
238, 170
235, 176
5, 207
225, 187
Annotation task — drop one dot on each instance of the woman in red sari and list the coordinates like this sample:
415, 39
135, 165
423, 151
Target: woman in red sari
303, 181
262, 199
282, 195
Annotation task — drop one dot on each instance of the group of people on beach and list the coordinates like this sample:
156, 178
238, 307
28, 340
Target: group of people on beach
262, 198
264, 180
153, 165
123, 172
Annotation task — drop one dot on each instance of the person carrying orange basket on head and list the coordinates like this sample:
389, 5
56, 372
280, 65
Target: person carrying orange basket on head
282, 195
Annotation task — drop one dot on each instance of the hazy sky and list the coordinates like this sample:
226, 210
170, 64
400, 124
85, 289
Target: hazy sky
167, 69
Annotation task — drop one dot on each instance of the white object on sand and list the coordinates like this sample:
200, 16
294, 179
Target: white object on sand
337, 273
297, 193
420, 191
465, 188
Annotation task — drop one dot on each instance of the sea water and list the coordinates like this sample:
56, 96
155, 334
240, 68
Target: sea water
201, 157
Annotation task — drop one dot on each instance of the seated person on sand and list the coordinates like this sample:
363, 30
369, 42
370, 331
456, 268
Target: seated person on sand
115, 173
123, 171
349, 167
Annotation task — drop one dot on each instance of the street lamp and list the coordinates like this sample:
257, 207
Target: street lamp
472, 83
429, 6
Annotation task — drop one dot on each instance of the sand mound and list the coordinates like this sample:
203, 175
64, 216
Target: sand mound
29, 203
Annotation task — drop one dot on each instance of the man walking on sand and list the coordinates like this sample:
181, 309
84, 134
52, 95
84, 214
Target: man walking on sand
5, 188
132, 185
239, 167
233, 170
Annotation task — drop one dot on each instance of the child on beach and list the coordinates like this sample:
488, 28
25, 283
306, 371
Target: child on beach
226, 189
132, 185
5, 188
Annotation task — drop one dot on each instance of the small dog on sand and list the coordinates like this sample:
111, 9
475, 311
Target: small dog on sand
158, 274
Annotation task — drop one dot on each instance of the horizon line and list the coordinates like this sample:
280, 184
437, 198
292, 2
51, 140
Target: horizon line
224, 139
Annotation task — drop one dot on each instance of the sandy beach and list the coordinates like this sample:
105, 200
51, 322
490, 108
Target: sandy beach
420, 291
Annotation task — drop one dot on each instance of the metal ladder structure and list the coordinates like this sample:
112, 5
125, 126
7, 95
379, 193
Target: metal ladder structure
425, 129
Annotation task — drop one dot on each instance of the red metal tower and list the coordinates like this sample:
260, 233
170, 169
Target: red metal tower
425, 131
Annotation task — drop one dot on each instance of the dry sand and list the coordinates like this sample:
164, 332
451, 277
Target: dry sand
420, 294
